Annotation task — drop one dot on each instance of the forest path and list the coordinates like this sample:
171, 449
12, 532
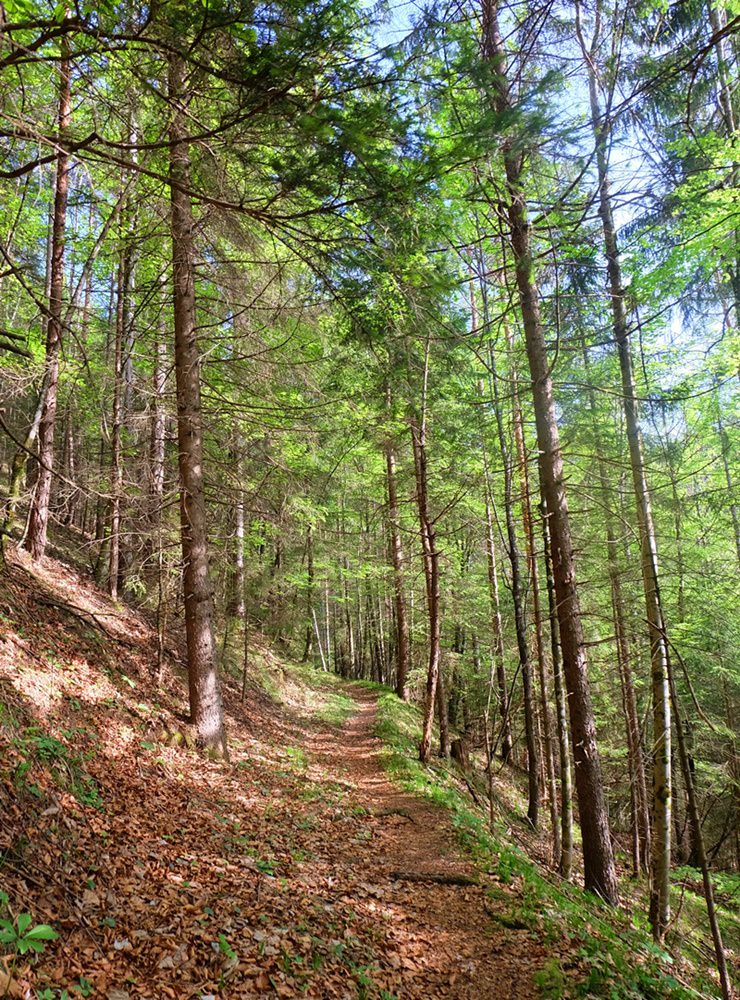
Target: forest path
170, 876
448, 940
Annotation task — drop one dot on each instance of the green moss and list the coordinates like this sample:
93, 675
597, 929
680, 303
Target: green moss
337, 708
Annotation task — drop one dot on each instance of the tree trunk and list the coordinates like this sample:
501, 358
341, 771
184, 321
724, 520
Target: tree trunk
308, 646
69, 464
123, 373
445, 745
348, 625
394, 525
498, 631
734, 768
638, 785
205, 697
535, 587
116, 471
701, 858
505, 738
599, 871
38, 515
20, 461
327, 633
155, 496
236, 582
566, 777
519, 599
661, 827
158, 422
639, 801
431, 578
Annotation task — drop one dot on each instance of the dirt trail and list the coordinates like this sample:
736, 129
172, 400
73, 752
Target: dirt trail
445, 938
168, 876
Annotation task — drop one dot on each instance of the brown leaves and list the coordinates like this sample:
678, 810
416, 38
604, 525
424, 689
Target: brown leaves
9, 985
199, 878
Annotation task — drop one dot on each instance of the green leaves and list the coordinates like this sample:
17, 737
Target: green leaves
22, 937
17, 10
225, 948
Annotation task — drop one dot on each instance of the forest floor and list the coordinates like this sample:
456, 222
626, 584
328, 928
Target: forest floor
285, 872
444, 937
297, 868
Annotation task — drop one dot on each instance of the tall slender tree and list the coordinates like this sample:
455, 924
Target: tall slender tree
397, 560
661, 748
599, 870
38, 515
205, 697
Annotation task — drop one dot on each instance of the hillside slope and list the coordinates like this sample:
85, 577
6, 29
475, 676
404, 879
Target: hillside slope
168, 875
298, 868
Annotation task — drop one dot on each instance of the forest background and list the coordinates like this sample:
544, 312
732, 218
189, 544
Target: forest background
410, 342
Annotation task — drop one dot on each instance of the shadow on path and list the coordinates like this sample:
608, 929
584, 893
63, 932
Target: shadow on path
448, 940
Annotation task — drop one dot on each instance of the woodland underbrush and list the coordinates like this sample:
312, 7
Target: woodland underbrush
132, 866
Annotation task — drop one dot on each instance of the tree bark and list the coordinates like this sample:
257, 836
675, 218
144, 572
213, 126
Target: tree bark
519, 599
431, 578
599, 871
157, 428
396, 545
566, 776
236, 604
308, 645
69, 465
116, 470
443, 719
38, 515
158, 422
505, 738
531, 557
734, 768
639, 800
20, 461
498, 631
205, 697
661, 826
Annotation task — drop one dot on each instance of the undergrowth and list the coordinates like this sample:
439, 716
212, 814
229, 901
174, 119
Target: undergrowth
37, 751
321, 694
616, 948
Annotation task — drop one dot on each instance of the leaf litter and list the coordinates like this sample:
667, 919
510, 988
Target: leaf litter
168, 875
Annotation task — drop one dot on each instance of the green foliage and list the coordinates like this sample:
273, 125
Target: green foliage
551, 980
354, 273
225, 948
66, 768
22, 935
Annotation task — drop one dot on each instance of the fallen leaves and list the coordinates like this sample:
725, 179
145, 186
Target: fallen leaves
9, 985
271, 875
